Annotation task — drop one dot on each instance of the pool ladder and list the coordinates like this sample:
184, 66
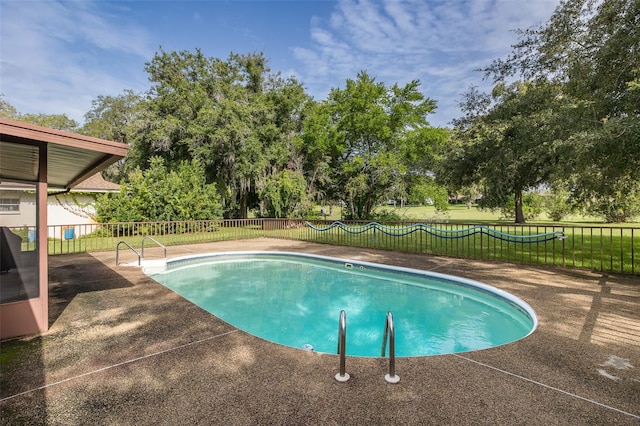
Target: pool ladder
342, 376
130, 247
389, 331
140, 255
389, 334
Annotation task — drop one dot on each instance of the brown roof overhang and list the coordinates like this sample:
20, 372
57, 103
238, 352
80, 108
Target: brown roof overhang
71, 157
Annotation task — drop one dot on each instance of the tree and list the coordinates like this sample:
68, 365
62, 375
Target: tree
233, 116
361, 133
558, 203
7, 110
52, 121
116, 118
161, 194
314, 152
591, 49
506, 143
532, 206
286, 106
422, 153
284, 194
424, 190
620, 203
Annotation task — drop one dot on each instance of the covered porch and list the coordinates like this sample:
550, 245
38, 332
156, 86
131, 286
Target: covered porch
40, 159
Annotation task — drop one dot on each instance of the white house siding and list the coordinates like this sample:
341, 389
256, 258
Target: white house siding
26, 214
62, 211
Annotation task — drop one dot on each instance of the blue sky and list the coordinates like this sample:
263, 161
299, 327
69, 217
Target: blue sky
56, 57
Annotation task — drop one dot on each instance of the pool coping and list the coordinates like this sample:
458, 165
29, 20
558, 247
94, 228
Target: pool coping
123, 350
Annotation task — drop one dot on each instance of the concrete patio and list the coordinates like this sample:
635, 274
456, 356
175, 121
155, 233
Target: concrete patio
124, 350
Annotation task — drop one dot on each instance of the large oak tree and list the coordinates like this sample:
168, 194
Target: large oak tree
233, 116
591, 49
507, 143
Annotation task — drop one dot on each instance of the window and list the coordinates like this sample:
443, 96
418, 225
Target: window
9, 205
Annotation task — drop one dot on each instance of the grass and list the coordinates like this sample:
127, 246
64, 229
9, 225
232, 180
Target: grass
588, 245
459, 213
98, 243
604, 249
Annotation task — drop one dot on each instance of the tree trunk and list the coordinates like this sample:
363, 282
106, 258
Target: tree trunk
244, 204
519, 211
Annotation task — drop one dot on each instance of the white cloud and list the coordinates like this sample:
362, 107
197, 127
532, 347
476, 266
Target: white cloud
58, 56
441, 43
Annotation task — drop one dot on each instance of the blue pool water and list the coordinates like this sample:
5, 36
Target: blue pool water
295, 300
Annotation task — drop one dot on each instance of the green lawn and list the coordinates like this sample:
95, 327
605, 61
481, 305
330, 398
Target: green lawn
101, 242
459, 213
614, 249
588, 244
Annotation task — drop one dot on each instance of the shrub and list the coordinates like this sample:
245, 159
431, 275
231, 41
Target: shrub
284, 195
158, 194
558, 205
532, 205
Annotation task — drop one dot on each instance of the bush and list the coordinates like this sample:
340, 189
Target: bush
158, 194
558, 205
386, 215
284, 195
532, 205
619, 203
621, 210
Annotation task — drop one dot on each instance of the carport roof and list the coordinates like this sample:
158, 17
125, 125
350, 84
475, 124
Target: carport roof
71, 157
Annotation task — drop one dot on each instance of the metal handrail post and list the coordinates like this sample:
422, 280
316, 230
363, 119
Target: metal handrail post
390, 332
128, 245
342, 376
153, 239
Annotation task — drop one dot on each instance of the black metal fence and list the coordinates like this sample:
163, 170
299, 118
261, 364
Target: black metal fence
613, 249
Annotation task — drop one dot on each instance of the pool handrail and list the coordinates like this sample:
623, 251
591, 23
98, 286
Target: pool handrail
131, 247
152, 239
390, 332
342, 376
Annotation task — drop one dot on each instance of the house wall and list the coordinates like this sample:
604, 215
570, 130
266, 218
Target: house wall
63, 209
68, 209
26, 216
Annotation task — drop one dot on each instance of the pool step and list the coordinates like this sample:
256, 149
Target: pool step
153, 266
147, 265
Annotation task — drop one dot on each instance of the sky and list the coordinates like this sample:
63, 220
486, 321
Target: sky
58, 56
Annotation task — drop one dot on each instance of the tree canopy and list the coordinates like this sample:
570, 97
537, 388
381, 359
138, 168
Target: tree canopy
358, 141
53, 121
116, 118
592, 48
233, 116
574, 117
508, 148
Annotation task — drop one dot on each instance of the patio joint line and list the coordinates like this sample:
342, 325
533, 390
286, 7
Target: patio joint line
436, 267
108, 367
635, 416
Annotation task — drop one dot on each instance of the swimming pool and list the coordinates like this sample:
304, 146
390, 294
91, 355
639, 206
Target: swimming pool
295, 300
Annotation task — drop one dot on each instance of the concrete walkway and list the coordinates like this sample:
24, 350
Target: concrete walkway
124, 350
